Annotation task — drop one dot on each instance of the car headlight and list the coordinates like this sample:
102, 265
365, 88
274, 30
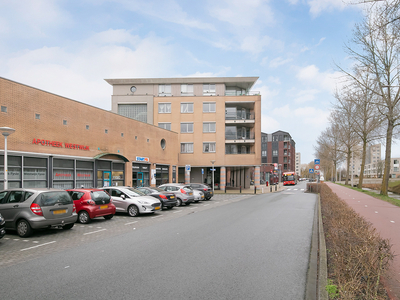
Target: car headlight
143, 202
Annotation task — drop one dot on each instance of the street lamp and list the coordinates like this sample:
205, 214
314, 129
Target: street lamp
6, 131
213, 162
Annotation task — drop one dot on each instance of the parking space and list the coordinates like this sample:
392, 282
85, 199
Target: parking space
14, 249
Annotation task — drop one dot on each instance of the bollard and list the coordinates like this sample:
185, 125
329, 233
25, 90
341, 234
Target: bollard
270, 188
255, 189
275, 187
225, 189
240, 189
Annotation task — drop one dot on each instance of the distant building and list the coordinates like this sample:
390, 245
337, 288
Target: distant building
298, 163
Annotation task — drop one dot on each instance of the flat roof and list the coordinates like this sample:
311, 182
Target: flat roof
242, 82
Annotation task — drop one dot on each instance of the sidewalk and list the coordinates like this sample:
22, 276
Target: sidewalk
262, 190
385, 217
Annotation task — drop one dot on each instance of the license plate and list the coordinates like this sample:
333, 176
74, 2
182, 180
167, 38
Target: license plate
202, 196
172, 197
190, 194
157, 207
103, 206
59, 211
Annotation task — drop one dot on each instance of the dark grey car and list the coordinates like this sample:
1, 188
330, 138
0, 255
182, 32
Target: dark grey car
28, 209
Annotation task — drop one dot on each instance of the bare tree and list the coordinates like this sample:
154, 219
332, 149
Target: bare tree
377, 49
359, 101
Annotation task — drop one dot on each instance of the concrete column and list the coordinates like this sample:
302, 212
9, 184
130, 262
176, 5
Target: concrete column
187, 177
222, 178
257, 176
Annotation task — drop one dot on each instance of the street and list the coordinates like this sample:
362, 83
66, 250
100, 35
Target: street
232, 247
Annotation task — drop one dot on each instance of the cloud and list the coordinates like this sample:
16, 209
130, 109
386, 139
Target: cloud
279, 61
306, 96
325, 80
318, 6
269, 124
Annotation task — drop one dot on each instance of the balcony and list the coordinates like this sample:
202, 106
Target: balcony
238, 149
239, 115
240, 137
241, 93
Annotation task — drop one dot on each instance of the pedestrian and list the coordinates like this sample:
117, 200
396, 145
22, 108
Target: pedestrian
233, 182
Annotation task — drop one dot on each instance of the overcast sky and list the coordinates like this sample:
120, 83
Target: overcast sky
69, 47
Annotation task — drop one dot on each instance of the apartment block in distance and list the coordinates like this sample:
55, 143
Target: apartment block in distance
218, 121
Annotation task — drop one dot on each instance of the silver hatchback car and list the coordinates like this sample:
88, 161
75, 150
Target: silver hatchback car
183, 193
27, 209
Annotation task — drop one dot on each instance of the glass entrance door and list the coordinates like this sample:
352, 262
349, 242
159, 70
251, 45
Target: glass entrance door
140, 179
106, 178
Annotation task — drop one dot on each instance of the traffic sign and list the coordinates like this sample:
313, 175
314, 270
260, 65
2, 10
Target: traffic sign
317, 161
187, 167
317, 167
311, 171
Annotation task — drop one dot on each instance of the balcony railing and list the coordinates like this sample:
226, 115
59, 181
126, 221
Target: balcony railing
240, 116
238, 152
240, 93
236, 136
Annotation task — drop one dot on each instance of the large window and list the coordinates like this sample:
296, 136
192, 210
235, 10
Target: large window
187, 89
63, 173
209, 147
186, 127
35, 172
209, 127
275, 152
164, 90
209, 89
165, 125
133, 111
186, 147
208, 107
186, 108
164, 108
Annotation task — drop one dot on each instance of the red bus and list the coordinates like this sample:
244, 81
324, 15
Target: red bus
289, 178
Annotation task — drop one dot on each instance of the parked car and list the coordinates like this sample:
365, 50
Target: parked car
2, 226
167, 199
183, 193
198, 195
92, 203
132, 201
207, 190
26, 209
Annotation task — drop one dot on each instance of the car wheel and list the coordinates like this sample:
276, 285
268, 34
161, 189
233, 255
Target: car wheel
187, 203
68, 226
108, 217
23, 228
197, 201
133, 211
178, 202
83, 217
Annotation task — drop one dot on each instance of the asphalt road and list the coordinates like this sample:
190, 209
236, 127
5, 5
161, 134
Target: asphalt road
234, 248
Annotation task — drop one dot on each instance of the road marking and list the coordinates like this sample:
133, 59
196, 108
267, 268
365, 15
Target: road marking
392, 221
38, 246
376, 212
366, 205
302, 189
131, 223
177, 211
94, 231
156, 216
192, 207
206, 204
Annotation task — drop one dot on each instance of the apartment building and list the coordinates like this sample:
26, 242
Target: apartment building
298, 164
218, 122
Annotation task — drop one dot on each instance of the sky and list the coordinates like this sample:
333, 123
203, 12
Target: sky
69, 47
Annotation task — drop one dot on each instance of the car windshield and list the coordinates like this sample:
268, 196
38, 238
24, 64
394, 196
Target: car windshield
51, 198
134, 192
156, 189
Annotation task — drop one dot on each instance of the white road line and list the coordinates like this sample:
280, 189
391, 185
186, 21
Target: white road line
366, 205
392, 221
226, 200
156, 216
376, 212
38, 246
206, 204
302, 190
94, 231
131, 223
177, 211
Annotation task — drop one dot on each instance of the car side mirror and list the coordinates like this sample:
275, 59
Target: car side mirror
123, 196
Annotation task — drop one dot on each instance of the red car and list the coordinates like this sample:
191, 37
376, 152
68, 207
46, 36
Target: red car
92, 203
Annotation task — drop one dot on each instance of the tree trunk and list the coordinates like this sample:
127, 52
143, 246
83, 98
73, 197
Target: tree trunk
364, 154
348, 167
388, 153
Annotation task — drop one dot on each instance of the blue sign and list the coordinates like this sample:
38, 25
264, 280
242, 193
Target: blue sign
187, 167
317, 161
311, 171
202, 171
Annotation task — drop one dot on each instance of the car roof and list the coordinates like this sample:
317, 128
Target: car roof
37, 190
84, 190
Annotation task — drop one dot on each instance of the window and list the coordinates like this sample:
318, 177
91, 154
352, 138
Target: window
186, 147
87, 127
133, 111
187, 89
263, 153
209, 89
165, 125
4, 109
208, 147
208, 107
186, 127
275, 152
209, 127
164, 108
106, 131
164, 90
395, 162
64, 122
122, 134
186, 108
37, 116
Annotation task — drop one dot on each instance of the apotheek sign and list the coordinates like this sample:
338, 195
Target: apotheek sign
60, 144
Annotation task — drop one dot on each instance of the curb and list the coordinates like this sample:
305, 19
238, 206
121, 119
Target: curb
317, 264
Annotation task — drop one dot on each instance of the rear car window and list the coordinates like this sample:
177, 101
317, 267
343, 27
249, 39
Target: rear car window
100, 195
51, 198
76, 195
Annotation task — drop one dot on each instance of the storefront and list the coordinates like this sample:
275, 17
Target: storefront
140, 174
162, 174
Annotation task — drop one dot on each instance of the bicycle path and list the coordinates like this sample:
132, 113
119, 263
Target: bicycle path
385, 217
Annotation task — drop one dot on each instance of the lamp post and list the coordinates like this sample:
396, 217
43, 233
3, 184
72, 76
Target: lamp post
213, 162
6, 131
